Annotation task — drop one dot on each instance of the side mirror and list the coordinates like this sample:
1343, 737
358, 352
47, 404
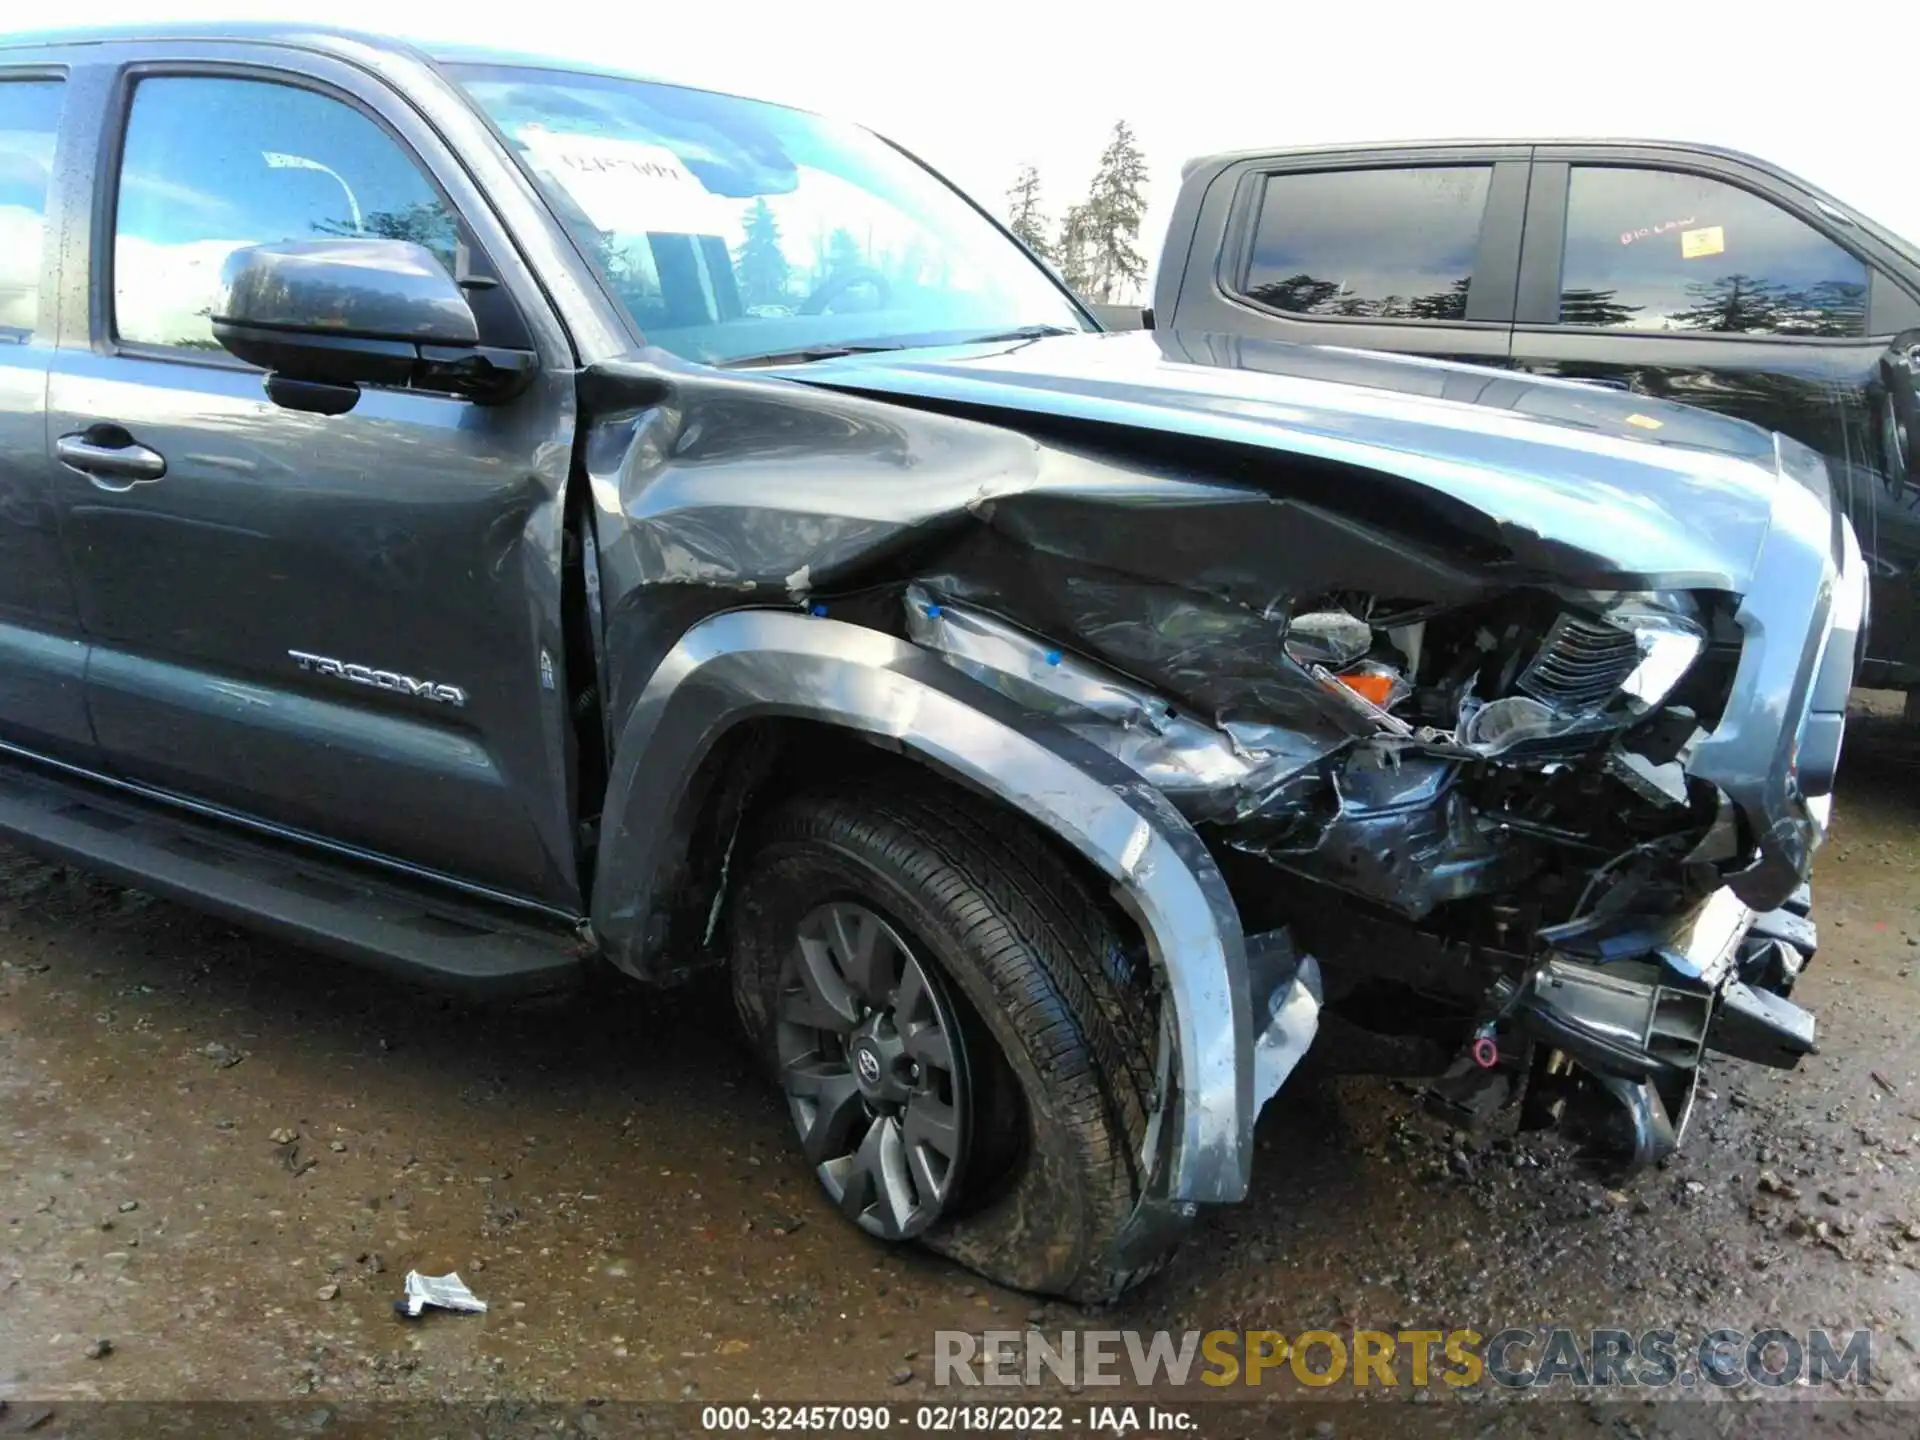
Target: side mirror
324, 317
1900, 420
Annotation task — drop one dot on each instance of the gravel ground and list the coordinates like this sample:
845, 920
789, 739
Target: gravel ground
223, 1154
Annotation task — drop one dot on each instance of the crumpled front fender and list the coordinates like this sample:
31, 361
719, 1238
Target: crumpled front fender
745, 664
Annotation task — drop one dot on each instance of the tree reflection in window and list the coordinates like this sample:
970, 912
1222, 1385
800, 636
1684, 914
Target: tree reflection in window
1392, 244
1733, 305
29, 117
213, 163
1595, 307
1745, 304
425, 222
1305, 295
1638, 242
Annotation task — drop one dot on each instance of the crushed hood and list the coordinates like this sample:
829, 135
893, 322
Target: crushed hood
1594, 486
1169, 519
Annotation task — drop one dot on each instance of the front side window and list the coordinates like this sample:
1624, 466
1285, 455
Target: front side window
1369, 244
731, 229
29, 120
1663, 250
212, 164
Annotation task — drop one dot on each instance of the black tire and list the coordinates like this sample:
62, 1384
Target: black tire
1058, 1013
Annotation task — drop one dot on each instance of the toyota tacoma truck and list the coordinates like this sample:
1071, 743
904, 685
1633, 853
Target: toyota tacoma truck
497, 520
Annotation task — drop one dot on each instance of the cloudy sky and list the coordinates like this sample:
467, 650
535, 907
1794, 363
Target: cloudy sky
979, 86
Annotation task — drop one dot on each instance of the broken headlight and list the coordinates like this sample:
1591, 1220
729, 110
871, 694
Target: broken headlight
1668, 645
1637, 651
1590, 674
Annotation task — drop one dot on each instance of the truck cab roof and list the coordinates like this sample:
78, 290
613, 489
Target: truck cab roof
1361, 147
333, 39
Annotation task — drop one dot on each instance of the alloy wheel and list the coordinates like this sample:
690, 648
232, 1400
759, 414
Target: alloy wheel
874, 1070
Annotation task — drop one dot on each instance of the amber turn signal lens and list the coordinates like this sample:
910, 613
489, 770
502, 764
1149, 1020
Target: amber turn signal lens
1377, 688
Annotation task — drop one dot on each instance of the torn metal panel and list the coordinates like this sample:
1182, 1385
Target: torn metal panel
1287, 992
1211, 772
1403, 834
1221, 658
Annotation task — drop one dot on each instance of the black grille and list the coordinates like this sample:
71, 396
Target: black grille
1581, 664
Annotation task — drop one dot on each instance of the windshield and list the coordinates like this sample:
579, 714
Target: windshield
732, 229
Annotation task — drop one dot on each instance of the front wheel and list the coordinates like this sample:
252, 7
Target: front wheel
965, 1042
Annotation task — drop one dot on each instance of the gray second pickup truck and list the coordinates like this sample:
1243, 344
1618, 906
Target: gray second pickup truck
495, 520
1674, 271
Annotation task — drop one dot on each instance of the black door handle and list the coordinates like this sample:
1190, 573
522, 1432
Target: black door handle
110, 457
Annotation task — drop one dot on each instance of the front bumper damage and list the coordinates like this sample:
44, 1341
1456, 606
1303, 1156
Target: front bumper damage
1640, 1029
1609, 1018
1639, 1026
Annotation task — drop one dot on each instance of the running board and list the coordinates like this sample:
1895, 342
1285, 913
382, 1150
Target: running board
329, 905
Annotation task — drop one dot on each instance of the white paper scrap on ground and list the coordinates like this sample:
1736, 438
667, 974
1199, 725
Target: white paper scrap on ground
449, 1292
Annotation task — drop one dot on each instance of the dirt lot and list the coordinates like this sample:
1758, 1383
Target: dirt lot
611, 1179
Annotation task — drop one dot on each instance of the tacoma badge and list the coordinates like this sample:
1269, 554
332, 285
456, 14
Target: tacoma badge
380, 679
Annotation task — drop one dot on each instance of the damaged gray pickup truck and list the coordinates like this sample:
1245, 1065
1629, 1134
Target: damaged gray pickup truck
494, 519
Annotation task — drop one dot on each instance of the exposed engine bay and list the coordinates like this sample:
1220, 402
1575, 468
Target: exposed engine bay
1503, 779
1508, 748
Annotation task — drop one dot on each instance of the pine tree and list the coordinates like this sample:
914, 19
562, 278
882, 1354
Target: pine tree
844, 252
1595, 307
1303, 294
1115, 206
1071, 252
1447, 304
1737, 304
759, 263
1025, 218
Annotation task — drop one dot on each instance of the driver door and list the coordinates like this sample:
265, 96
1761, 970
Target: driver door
223, 547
